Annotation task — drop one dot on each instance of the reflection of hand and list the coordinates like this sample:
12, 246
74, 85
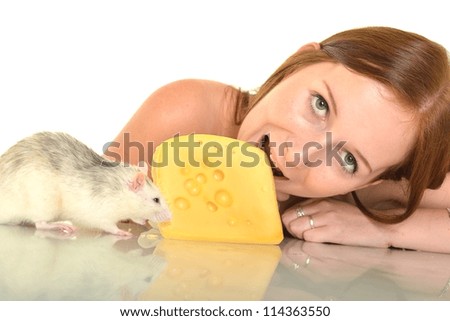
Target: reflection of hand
324, 262
328, 263
333, 221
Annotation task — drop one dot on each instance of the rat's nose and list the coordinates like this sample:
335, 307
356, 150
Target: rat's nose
163, 216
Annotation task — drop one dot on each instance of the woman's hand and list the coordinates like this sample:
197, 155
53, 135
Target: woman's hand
333, 221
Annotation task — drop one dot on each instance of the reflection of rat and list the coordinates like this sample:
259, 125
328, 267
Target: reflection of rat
51, 178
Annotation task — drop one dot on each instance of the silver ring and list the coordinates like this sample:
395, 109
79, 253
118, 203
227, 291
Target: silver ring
311, 222
299, 212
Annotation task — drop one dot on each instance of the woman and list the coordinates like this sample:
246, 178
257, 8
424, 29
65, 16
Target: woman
365, 110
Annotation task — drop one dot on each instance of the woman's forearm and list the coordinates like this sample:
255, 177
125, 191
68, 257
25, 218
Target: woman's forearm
428, 229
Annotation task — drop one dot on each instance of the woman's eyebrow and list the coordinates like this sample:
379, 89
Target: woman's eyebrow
334, 109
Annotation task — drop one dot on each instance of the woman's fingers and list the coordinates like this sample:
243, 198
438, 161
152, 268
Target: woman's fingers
300, 219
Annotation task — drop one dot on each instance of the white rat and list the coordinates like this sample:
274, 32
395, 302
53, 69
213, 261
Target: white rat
53, 180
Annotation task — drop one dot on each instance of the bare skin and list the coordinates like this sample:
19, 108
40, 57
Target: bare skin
200, 106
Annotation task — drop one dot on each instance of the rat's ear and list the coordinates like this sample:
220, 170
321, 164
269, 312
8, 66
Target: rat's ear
310, 47
143, 167
138, 182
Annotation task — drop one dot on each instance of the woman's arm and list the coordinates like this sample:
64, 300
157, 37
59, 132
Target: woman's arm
428, 229
338, 221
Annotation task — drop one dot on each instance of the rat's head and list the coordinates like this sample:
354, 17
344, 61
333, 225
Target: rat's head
150, 204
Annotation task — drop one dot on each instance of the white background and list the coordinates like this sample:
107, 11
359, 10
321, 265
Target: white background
84, 67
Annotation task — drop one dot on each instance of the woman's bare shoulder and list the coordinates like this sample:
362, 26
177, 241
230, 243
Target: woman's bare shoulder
198, 103
178, 108
191, 93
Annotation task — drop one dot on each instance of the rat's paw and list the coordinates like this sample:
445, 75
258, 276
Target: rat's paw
63, 226
54, 234
121, 234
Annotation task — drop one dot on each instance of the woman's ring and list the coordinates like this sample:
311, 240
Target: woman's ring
311, 222
299, 212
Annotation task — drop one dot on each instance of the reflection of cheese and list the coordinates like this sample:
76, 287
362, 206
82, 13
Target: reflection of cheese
218, 189
212, 271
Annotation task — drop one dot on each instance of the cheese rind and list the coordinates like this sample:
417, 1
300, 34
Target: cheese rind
218, 189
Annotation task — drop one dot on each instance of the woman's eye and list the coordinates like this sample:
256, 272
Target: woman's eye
319, 105
349, 163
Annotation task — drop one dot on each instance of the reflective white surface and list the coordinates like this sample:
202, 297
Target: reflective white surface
92, 266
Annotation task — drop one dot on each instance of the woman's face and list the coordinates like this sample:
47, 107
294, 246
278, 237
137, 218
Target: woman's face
331, 131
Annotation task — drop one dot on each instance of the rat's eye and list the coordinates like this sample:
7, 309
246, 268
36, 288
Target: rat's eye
156, 200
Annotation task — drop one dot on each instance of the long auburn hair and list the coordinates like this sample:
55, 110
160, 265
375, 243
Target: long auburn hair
416, 70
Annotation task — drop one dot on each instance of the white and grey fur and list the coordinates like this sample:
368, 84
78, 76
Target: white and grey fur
50, 178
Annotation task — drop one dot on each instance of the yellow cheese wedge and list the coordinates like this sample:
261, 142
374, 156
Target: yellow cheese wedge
218, 189
212, 271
